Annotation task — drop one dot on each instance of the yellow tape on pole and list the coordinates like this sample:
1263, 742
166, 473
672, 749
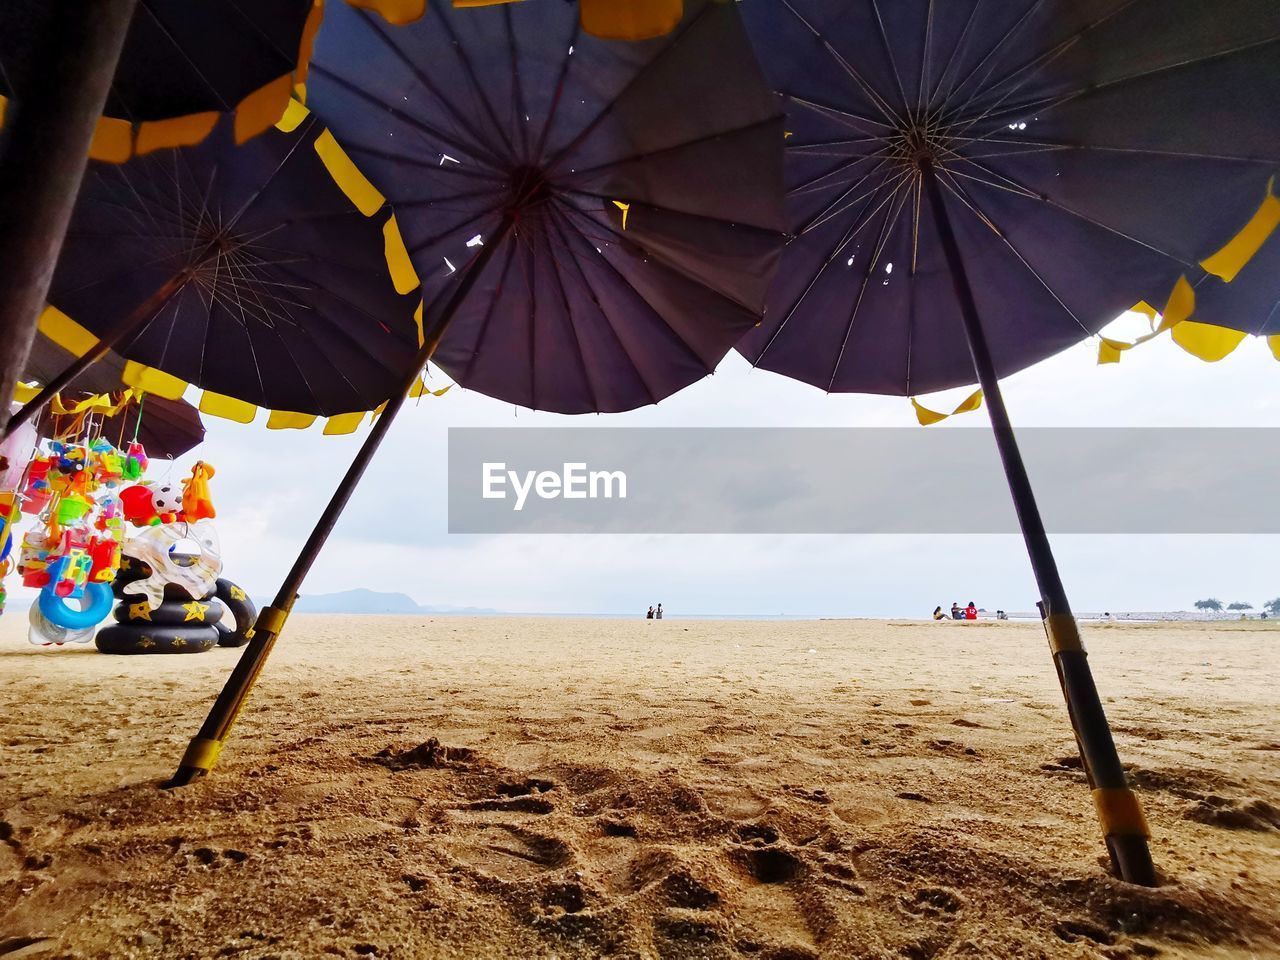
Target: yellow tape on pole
1120, 813
1063, 633
202, 754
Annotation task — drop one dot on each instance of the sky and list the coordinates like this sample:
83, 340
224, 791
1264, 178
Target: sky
272, 485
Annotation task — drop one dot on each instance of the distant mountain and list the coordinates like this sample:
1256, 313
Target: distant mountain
373, 601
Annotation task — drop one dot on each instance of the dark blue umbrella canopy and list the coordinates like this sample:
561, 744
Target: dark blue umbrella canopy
280, 291
1090, 153
184, 62
642, 183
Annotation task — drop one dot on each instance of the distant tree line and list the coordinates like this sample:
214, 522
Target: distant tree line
1215, 605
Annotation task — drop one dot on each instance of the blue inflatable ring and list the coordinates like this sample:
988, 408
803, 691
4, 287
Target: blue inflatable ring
98, 601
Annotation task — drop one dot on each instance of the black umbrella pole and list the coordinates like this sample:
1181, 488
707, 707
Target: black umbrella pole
1118, 809
202, 753
149, 308
49, 131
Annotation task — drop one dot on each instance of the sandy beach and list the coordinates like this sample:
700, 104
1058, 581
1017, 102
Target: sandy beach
518, 788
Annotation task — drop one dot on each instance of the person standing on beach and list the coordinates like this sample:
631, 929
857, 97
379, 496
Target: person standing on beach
649, 615
657, 614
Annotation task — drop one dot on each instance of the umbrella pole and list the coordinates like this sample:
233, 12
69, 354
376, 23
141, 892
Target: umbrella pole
202, 752
44, 160
1118, 809
145, 312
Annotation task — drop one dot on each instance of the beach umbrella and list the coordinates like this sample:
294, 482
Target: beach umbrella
975, 187
80, 78
184, 63
594, 222
264, 273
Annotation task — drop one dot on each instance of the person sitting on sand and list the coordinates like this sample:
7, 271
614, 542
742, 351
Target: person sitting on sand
649, 615
657, 614
938, 614
956, 612
971, 611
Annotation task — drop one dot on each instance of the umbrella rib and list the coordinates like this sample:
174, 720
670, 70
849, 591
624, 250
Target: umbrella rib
261, 188
964, 33
859, 81
1046, 104
478, 347
839, 205
1017, 25
836, 251
559, 91
947, 181
926, 46
1045, 146
217, 95
460, 50
517, 88
675, 41
1023, 190
843, 114
571, 208
749, 227
918, 190
647, 155
454, 170
616, 237
1041, 60
567, 232
290, 60
527, 245
888, 51
815, 183
476, 149
890, 220
448, 198
444, 234
568, 312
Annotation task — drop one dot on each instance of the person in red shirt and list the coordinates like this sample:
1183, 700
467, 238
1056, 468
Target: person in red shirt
971, 611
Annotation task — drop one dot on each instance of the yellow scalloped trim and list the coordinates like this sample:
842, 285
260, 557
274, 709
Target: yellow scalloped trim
150, 380
288, 420
65, 332
1206, 341
397, 12
309, 31
343, 423
1274, 343
366, 197
116, 140
263, 108
1239, 250
417, 318
403, 276
228, 408
112, 140
926, 416
175, 132
629, 19
293, 116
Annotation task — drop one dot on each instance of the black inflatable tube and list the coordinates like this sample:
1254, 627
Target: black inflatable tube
131, 639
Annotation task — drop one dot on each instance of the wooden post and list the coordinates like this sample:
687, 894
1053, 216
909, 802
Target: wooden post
1122, 821
49, 125
202, 752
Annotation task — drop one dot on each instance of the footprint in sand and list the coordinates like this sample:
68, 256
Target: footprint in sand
508, 853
